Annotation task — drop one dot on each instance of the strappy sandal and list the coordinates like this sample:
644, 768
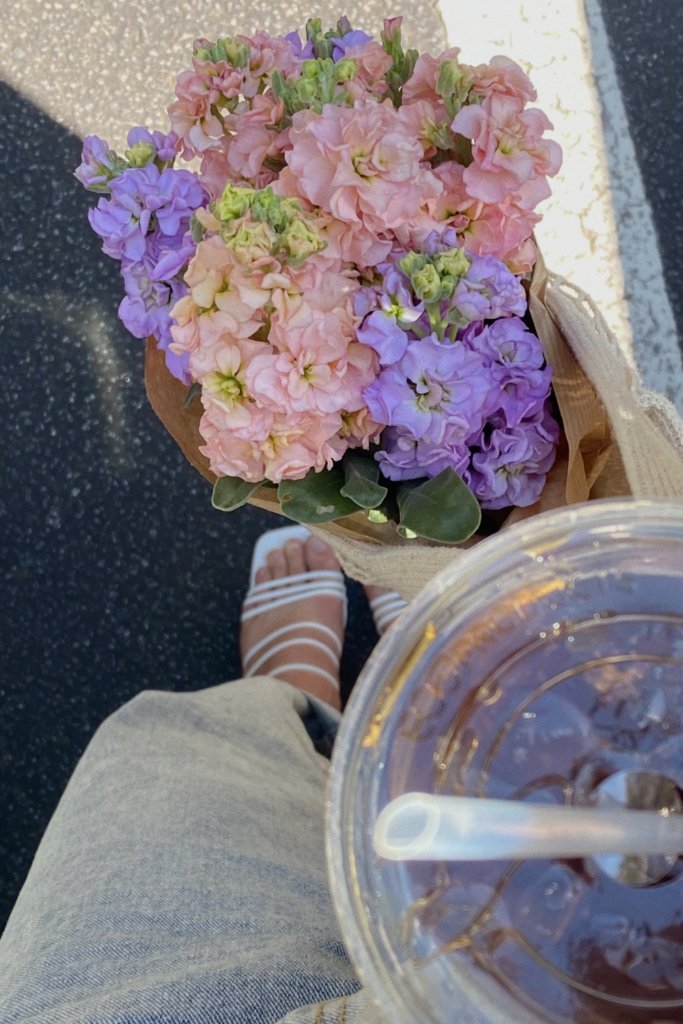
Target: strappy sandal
385, 609
266, 597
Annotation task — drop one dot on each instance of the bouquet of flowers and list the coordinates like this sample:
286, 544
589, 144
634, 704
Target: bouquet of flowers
340, 277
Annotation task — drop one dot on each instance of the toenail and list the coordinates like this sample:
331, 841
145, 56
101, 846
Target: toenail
317, 546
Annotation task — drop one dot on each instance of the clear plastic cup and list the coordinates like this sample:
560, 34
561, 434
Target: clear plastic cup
545, 665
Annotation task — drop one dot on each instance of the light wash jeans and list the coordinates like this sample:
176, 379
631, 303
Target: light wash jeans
182, 878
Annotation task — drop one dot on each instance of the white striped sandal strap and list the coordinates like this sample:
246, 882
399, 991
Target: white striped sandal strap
326, 575
250, 611
273, 594
294, 641
385, 609
302, 666
291, 627
299, 590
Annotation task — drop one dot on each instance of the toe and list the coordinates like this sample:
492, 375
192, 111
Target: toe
263, 575
277, 563
296, 561
320, 555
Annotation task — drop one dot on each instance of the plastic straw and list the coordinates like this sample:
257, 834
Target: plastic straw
421, 826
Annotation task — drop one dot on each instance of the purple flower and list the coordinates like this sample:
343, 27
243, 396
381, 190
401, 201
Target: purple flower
489, 290
438, 389
404, 458
507, 342
172, 195
178, 365
150, 291
119, 229
365, 300
517, 393
303, 52
519, 385
381, 333
99, 165
153, 286
137, 195
511, 466
382, 329
165, 146
437, 242
342, 43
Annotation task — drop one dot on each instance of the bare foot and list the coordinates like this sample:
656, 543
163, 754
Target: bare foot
384, 612
326, 609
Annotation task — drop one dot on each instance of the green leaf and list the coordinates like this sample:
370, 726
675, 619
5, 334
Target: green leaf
316, 498
442, 509
192, 392
229, 492
361, 486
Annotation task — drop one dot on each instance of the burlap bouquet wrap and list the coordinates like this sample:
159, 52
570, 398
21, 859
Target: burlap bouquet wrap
621, 439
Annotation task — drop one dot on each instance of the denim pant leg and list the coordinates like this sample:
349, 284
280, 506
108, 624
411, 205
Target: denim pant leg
182, 878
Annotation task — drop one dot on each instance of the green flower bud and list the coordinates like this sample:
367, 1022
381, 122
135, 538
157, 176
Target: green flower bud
301, 240
453, 84
309, 69
447, 287
141, 154
427, 283
440, 135
412, 262
234, 202
274, 210
250, 241
314, 28
452, 262
346, 69
236, 53
306, 90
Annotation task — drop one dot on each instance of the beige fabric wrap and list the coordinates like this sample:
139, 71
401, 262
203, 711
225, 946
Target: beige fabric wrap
620, 438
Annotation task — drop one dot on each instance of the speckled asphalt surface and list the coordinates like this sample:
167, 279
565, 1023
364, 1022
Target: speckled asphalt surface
116, 574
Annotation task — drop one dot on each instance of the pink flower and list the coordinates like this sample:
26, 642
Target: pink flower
310, 370
362, 165
249, 148
291, 449
268, 54
424, 120
359, 429
422, 83
197, 91
496, 229
228, 454
522, 258
186, 332
287, 448
361, 369
221, 369
224, 303
509, 155
215, 171
265, 109
373, 64
504, 76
